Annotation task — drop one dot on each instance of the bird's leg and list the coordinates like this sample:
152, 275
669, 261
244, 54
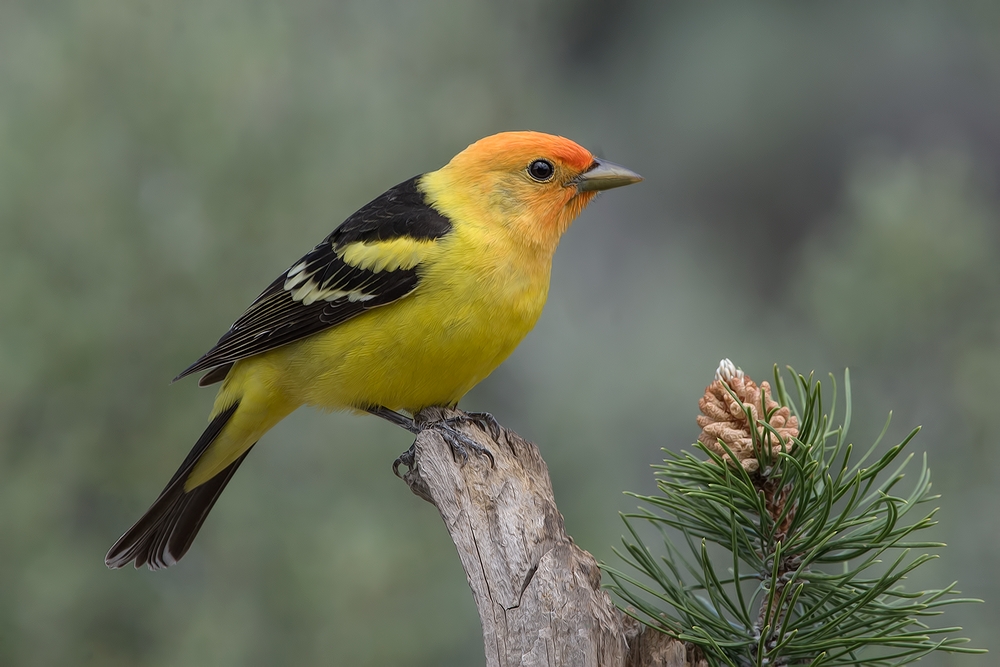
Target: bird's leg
394, 417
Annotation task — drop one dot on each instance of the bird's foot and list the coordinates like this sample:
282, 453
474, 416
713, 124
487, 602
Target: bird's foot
406, 459
459, 442
484, 420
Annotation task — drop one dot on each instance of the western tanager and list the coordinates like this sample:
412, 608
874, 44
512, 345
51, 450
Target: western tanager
408, 304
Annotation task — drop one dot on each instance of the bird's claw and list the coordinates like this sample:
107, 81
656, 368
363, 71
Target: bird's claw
459, 442
406, 459
484, 420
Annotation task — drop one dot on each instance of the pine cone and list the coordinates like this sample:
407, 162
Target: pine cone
724, 418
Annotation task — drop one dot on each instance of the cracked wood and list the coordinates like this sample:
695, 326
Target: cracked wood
539, 596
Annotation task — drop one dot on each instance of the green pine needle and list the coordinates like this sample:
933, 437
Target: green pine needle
818, 584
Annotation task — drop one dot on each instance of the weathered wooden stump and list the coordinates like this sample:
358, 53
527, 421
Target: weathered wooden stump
539, 595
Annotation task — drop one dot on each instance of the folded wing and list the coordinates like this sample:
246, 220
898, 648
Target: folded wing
371, 260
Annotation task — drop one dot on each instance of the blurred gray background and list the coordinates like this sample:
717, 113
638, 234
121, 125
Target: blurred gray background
821, 191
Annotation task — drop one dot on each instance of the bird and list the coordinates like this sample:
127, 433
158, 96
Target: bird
408, 304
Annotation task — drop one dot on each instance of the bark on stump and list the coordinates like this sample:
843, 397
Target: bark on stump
539, 595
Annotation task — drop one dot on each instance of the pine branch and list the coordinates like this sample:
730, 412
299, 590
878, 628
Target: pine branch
826, 538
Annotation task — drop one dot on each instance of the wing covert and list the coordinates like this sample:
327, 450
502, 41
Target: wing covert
370, 260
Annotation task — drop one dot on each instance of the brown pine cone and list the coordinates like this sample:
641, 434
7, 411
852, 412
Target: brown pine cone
724, 418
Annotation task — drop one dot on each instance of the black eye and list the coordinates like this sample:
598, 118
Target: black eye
541, 170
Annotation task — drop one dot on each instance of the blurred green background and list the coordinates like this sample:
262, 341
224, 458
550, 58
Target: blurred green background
821, 190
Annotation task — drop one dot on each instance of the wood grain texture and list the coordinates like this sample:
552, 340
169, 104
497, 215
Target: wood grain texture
539, 595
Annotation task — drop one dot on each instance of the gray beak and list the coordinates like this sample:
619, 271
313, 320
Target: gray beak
604, 176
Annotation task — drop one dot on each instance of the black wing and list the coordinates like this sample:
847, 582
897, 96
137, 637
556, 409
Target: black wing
322, 290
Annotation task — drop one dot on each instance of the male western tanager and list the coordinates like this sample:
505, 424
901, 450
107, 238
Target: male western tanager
408, 304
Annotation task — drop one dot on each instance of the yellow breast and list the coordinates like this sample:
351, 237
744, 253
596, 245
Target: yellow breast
477, 299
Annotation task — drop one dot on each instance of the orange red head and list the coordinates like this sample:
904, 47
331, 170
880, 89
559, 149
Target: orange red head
528, 183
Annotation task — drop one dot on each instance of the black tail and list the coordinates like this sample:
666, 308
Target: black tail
167, 529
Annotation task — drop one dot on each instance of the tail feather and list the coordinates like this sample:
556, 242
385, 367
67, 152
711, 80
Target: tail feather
165, 532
